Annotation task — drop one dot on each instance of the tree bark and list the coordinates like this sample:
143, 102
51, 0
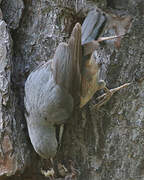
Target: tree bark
104, 144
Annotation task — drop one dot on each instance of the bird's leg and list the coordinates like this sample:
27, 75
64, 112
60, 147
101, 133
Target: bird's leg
106, 96
52, 162
60, 134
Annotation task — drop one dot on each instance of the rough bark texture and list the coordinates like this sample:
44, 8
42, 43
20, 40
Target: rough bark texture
105, 144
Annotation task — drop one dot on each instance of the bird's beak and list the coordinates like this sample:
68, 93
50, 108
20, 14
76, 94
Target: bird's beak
109, 38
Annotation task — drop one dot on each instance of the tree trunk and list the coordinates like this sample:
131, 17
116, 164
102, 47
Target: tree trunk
104, 144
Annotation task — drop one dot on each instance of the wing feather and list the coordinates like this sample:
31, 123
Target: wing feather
67, 63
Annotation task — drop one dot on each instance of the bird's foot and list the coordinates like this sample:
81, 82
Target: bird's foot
68, 174
48, 173
106, 96
61, 134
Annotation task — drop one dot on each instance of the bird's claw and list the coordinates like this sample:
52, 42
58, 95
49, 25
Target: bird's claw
106, 96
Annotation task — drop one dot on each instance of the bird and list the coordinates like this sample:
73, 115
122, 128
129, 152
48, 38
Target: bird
69, 79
